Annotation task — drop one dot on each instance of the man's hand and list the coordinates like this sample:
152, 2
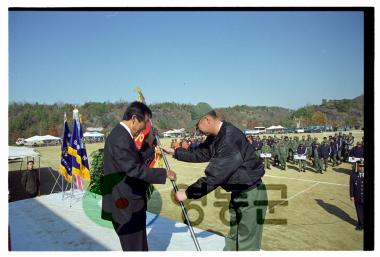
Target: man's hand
171, 175
352, 199
180, 196
167, 150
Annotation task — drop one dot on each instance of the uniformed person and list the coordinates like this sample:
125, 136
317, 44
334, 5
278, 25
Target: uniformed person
318, 158
270, 141
287, 146
294, 145
326, 151
334, 152
276, 153
289, 143
308, 143
313, 144
350, 141
340, 147
257, 146
301, 150
282, 154
357, 194
303, 141
266, 150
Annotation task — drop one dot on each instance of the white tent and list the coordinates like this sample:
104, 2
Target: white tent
276, 127
93, 134
17, 152
175, 133
36, 139
91, 129
251, 132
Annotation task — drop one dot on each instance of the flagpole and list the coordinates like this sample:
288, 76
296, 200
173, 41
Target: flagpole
174, 184
64, 122
72, 174
180, 202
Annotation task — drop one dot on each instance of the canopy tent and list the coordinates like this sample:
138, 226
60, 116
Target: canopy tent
273, 129
93, 134
91, 129
17, 152
175, 133
276, 127
35, 139
251, 132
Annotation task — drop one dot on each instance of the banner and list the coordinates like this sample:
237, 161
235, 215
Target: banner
77, 150
65, 166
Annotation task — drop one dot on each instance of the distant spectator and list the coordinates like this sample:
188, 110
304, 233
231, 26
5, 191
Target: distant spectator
357, 152
184, 144
30, 180
176, 144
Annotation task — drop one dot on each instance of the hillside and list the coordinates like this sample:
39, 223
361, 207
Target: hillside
26, 119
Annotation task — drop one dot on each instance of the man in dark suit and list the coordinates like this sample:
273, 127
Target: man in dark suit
357, 193
30, 180
127, 177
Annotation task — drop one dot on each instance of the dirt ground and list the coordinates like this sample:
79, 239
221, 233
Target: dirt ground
313, 211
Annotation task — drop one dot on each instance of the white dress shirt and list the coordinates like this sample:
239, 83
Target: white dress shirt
126, 127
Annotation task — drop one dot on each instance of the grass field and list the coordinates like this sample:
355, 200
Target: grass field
316, 210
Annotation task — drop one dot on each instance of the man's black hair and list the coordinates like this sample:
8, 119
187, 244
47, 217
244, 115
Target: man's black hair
138, 109
30, 161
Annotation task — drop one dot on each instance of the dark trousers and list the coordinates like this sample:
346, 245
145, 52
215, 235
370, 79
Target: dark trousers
32, 195
360, 213
136, 241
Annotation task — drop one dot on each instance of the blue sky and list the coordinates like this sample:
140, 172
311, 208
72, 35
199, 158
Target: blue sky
286, 59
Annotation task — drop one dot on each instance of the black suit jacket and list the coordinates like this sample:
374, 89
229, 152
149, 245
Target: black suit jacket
357, 187
126, 178
233, 164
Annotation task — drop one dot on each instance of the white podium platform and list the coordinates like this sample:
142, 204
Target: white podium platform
48, 223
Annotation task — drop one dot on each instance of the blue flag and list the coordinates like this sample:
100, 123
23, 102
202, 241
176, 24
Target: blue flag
77, 150
65, 167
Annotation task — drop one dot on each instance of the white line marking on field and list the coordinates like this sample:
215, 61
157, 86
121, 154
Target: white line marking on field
308, 180
271, 176
288, 199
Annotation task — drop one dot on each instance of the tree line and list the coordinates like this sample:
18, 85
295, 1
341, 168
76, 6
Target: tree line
29, 119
